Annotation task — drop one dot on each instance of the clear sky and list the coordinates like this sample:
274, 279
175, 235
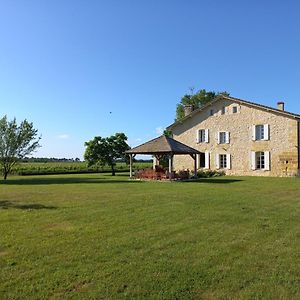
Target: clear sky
66, 64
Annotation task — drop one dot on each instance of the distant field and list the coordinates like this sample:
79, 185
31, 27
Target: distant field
94, 236
69, 168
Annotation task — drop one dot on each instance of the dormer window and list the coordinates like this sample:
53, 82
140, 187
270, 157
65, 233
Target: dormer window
223, 110
234, 109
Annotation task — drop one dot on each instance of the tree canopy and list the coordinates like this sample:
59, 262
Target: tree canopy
106, 151
16, 142
197, 99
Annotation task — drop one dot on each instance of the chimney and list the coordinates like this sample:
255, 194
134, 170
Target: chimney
188, 109
280, 105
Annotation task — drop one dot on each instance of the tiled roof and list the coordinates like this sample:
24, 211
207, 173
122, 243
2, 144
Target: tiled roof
161, 145
245, 102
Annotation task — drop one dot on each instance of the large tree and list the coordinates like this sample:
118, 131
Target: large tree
16, 142
197, 99
106, 151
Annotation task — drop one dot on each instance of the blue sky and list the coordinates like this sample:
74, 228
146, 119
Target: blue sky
65, 65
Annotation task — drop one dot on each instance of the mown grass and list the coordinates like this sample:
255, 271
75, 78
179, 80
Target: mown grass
98, 237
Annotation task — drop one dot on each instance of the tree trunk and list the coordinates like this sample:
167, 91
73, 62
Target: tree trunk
113, 172
5, 175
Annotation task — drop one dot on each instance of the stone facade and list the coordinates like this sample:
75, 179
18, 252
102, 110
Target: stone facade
238, 119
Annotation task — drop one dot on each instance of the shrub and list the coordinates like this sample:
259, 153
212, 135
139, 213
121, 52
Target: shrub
183, 174
210, 173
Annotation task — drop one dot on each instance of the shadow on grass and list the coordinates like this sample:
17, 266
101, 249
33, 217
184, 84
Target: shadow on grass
9, 204
39, 180
213, 180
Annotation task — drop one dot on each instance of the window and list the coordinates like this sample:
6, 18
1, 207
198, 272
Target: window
234, 109
202, 160
223, 161
223, 110
202, 136
211, 112
223, 137
260, 132
260, 160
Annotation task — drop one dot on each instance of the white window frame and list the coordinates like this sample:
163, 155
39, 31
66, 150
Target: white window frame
206, 162
226, 137
228, 161
199, 136
254, 156
266, 132
224, 166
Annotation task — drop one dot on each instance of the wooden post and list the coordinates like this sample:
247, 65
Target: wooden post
194, 156
170, 166
195, 166
130, 165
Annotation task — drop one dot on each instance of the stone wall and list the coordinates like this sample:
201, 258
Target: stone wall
282, 144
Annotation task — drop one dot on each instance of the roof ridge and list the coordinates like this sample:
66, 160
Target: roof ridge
147, 142
163, 144
219, 97
261, 105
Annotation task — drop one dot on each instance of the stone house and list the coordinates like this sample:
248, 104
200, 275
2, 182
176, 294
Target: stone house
240, 138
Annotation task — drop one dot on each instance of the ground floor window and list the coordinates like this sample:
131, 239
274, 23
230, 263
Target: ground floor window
223, 161
202, 160
260, 160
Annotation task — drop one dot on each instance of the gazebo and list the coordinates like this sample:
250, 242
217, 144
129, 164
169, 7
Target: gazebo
163, 145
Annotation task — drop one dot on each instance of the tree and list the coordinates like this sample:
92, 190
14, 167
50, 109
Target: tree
196, 99
102, 151
16, 142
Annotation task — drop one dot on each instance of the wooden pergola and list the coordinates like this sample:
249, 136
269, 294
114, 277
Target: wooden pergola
164, 145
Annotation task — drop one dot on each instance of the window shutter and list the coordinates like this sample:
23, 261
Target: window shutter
253, 133
206, 136
206, 160
253, 162
217, 161
228, 158
197, 136
227, 137
266, 132
218, 137
267, 161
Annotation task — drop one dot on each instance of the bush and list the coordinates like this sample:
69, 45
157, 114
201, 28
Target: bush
183, 174
209, 173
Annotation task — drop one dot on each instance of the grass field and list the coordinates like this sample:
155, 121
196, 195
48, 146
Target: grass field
45, 168
93, 236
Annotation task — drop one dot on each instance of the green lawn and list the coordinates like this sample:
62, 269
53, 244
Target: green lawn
98, 237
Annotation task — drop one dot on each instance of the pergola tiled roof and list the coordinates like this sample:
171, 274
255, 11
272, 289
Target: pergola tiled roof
163, 145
